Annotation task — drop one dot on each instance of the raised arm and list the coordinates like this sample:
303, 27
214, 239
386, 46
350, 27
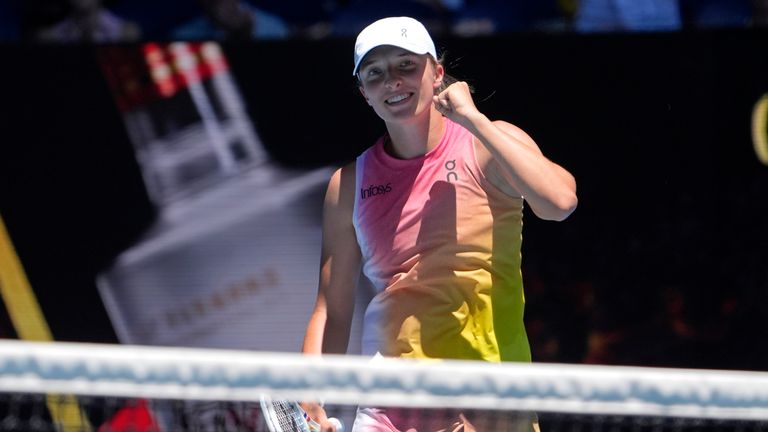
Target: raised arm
329, 325
513, 157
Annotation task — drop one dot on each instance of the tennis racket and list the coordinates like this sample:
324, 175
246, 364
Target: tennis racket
288, 416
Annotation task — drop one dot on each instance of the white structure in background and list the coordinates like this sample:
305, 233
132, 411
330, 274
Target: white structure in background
232, 261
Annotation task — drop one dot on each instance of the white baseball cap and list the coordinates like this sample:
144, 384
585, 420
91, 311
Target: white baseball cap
403, 32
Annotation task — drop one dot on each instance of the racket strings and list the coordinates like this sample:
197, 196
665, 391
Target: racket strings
288, 417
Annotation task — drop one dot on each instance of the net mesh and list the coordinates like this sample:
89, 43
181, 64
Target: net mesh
85, 387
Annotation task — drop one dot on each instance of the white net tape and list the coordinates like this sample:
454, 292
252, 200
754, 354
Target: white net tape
224, 375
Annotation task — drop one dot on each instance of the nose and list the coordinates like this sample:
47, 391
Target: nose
392, 81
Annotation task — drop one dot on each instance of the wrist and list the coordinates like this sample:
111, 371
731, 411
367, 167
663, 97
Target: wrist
475, 122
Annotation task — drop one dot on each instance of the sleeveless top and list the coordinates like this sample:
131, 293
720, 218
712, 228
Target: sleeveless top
441, 246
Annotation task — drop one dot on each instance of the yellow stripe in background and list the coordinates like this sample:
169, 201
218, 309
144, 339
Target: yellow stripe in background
760, 129
29, 323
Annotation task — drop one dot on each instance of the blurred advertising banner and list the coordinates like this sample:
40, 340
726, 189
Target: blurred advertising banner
233, 259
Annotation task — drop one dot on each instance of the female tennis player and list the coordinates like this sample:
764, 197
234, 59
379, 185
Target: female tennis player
432, 213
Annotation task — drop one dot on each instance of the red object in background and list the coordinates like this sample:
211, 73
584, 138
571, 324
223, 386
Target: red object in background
141, 74
135, 417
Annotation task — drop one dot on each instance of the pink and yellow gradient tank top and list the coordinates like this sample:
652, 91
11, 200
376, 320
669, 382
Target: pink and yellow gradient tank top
441, 246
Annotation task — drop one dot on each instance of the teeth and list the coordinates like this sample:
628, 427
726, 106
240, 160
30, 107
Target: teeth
396, 98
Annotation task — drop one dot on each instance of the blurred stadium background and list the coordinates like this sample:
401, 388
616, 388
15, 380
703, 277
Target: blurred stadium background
665, 262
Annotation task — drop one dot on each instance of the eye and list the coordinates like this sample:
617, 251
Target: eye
406, 63
371, 74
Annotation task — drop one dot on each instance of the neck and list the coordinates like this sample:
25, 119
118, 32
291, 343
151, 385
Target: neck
415, 139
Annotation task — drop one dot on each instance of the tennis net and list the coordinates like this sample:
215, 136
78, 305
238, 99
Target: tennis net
84, 387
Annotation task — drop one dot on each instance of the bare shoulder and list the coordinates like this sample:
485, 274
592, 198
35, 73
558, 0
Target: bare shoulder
339, 238
341, 190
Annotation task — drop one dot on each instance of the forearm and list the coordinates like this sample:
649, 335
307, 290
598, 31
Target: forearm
326, 334
548, 188
313, 338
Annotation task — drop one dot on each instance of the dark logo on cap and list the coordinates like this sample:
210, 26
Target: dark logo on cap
404, 32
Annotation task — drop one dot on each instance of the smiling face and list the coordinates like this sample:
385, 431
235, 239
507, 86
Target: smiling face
397, 83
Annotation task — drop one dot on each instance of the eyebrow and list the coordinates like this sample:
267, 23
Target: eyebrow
367, 62
364, 64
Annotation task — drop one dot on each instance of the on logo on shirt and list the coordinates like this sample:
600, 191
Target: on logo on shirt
451, 175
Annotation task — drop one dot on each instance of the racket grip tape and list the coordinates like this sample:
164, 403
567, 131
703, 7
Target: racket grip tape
336, 422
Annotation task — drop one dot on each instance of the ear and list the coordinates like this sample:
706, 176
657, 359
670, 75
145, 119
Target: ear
439, 75
362, 92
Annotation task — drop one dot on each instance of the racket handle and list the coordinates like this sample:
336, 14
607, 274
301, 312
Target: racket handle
336, 422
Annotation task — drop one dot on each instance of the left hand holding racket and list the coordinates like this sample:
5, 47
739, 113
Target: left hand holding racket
289, 416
